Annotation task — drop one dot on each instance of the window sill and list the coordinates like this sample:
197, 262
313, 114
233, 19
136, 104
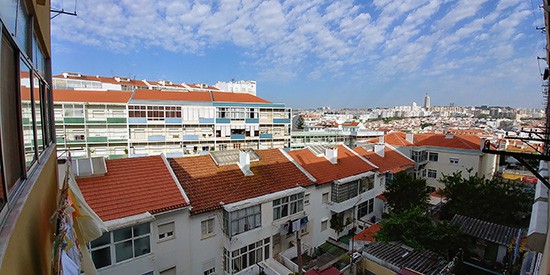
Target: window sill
207, 236
166, 239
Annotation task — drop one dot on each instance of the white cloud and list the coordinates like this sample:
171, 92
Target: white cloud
315, 39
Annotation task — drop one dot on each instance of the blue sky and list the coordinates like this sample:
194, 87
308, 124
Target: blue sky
312, 53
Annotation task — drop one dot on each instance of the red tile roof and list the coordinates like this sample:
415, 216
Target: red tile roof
177, 96
468, 142
207, 185
237, 97
369, 234
392, 161
132, 186
348, 164
91, 96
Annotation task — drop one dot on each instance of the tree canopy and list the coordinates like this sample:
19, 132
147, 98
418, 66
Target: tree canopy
494, 200
405, 192
415, 228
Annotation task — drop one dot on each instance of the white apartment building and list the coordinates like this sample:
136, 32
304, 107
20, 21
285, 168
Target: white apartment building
241, 86
439, 154
116, 124
228, 212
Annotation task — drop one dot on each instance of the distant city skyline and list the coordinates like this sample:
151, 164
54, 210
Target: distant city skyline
316, 53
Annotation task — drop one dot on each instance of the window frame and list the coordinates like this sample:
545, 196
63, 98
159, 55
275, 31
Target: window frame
113, 244
211, 229
167, 233
431, 173
279, 204
433, 156
454, 161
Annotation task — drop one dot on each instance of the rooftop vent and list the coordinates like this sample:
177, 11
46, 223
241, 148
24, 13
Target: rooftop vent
244, 162
331, 154
69, 74
89, 167
379, 149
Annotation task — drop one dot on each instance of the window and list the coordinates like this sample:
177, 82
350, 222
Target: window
169, 271
419, 156
366, 184
121, 245
209, 267
246, 256
433, 156
344, 191
324, 225
325, 197
166, 231
365, 208
453, 161
287, 206
306, 199
432, 173
242, 220
207, 228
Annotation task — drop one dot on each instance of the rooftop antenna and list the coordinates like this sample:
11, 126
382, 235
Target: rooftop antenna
56, 11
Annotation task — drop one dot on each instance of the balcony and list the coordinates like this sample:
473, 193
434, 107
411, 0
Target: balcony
116, 120
223, 120
73, 120
237, 136
281, 121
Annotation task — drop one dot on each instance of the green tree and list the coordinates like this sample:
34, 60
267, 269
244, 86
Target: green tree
300, 123
405, 192
494, 200
415, 228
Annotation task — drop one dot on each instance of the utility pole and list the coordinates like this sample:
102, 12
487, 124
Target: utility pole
299, 251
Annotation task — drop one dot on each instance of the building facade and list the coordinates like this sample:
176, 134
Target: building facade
116, 124
244, 209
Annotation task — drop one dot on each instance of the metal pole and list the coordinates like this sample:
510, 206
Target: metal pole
299, 250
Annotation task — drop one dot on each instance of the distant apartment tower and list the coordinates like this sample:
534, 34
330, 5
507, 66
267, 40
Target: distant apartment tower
427, 101
241, 86
117, 124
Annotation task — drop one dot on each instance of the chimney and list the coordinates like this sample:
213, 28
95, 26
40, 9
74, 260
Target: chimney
379, 149
448, 136
381, 139
409, 138
244, 162
332, 154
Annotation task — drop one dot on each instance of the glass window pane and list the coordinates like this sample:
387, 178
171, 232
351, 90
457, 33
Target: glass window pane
141, 229
103, 240
22, 29
38, 115
8, 11
123, 234
10, 127
142, 246
45, 95
124, 250
27, 116
102, 257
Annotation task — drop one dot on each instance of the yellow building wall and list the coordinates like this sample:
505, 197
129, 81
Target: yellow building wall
29, 249
376, 268
41, 10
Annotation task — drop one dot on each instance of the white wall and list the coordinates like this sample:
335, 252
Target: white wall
443, 166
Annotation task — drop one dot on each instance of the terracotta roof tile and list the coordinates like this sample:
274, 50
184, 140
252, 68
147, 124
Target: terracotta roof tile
348, 164
132, 186
207, 185
468, 142
237, 97
392, 161
91, 96
369, 234
177, 96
